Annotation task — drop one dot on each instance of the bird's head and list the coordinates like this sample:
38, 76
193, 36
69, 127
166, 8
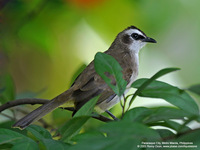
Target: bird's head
132, 39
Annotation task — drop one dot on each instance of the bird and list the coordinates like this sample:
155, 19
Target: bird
125, 49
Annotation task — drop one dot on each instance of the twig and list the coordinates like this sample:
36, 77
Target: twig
179, 134
17, 102
111, 115
126, 100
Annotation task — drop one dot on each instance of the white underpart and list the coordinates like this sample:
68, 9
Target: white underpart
135, 46
105, 105
134, 76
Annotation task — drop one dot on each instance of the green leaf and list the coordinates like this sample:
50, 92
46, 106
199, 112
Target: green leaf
59, 116
137, 114
5, 146
39, 132
123, 129
107, 143
89, 134
18, 140
164, 133
87, 108
107, 64
171, 94
8, 125
166, 113
45, 138
195, 89
119, 135
159, 116
172, 125
151, 115
73, 126
23, 145
147, 82
192, 137
51, 144
7, 88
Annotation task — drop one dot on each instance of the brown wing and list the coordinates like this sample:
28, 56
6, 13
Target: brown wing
89, 84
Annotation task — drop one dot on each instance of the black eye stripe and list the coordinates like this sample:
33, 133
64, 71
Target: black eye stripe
137, 36
141, 37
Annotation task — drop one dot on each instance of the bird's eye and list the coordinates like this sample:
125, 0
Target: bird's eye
135, 36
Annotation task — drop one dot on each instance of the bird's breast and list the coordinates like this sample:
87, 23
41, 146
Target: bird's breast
135, 68
130, 65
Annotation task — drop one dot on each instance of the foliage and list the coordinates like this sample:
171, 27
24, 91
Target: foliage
147, 82
137, 126
7, 88
107, 64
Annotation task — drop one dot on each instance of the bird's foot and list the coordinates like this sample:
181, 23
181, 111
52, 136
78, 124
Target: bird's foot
110, 114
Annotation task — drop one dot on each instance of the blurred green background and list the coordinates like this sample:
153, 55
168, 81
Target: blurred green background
43, 43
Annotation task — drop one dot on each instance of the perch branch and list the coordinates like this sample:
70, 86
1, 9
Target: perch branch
17, 102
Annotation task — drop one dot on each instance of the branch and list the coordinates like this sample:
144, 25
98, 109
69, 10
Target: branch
17, 102
34, 101
179, 134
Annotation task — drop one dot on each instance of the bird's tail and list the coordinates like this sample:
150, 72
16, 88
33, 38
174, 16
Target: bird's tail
43, 110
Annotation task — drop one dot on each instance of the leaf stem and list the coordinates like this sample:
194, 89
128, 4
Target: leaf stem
123, 106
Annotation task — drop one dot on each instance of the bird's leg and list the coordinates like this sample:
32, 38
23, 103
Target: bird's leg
110, 114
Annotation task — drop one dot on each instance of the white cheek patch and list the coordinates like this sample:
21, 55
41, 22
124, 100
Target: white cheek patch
136, 45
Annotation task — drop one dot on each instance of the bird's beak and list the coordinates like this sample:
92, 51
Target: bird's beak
150, 40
